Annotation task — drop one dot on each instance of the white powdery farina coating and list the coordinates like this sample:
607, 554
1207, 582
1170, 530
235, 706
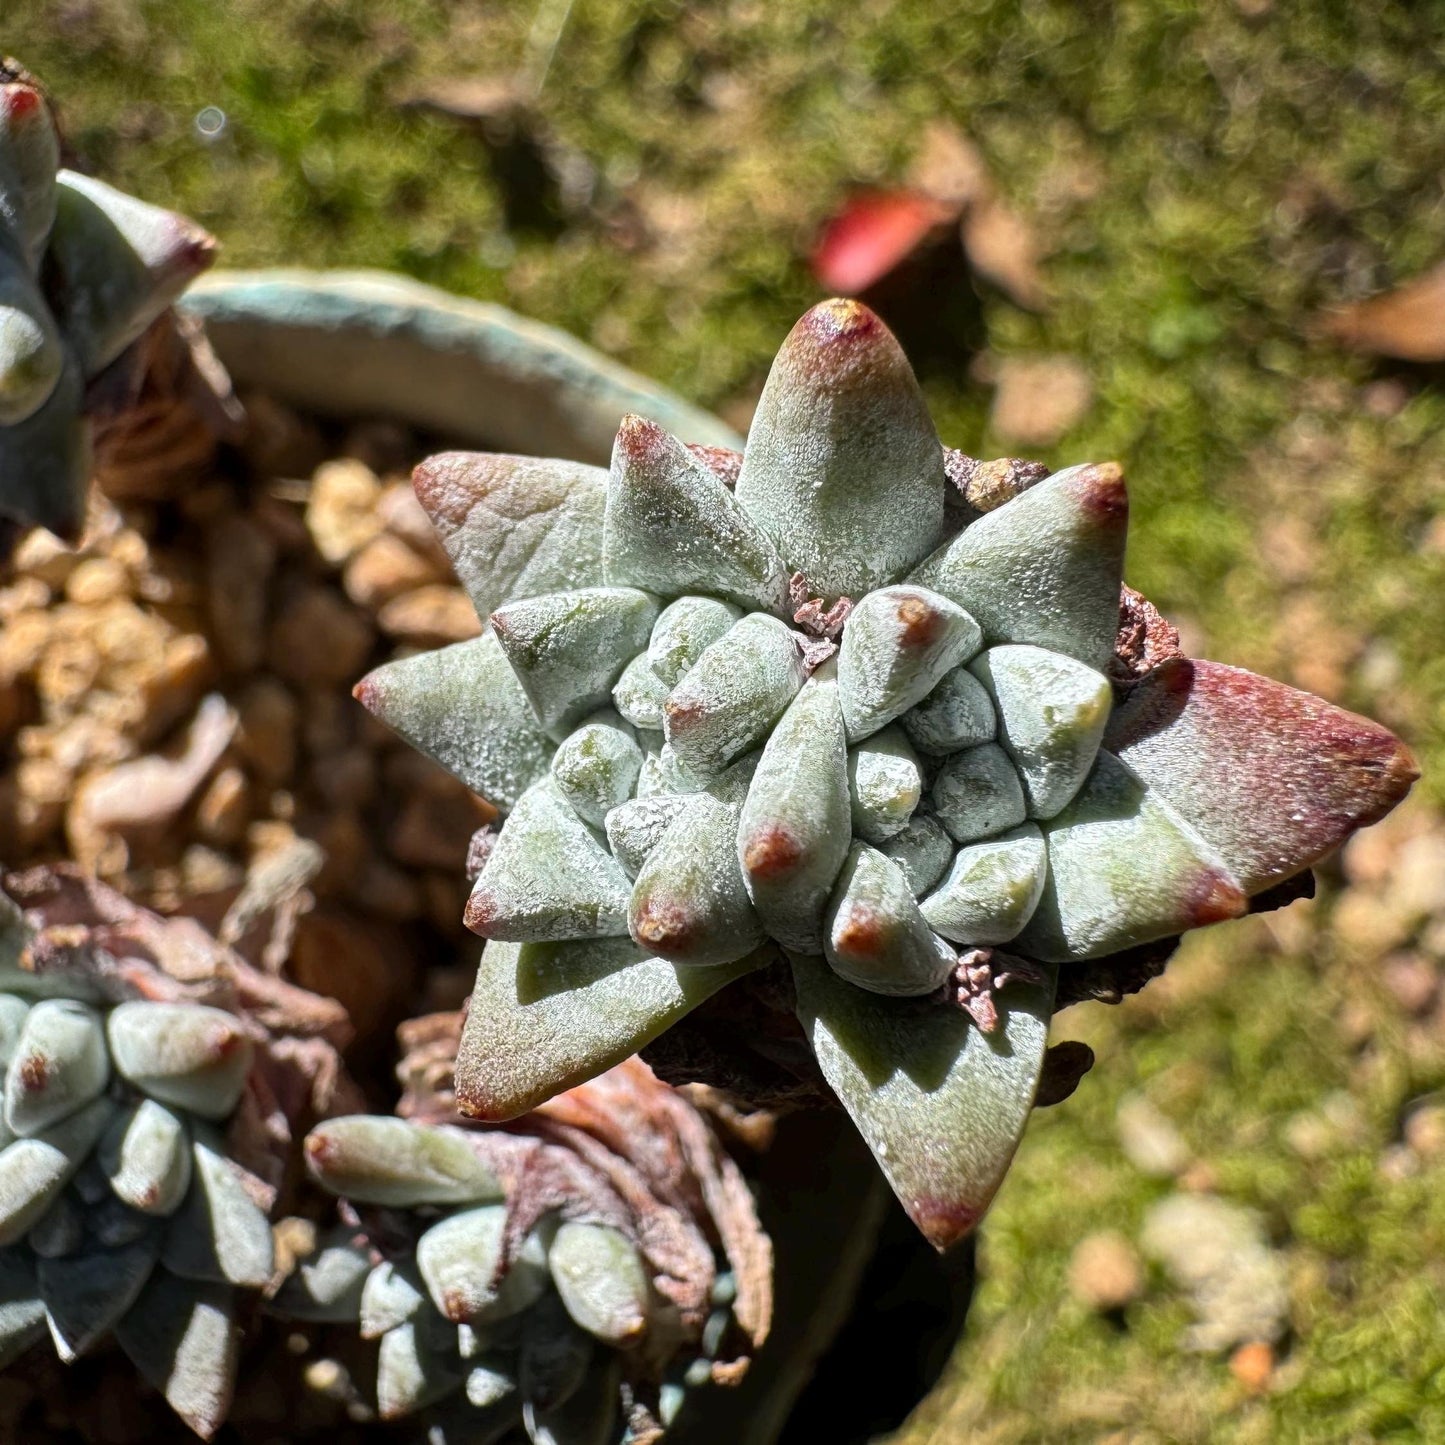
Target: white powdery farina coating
991, 890
673, 527
569, 648
885, 783
1123, 869
690, 903
843, 469
898, 642
515, 526
1052, 713
463, 707
977, 793
733, 695
548, 876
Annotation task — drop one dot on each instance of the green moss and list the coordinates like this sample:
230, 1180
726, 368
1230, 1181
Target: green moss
1204, 180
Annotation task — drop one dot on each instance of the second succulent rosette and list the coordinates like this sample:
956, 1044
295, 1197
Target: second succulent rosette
835, 697
564, 1280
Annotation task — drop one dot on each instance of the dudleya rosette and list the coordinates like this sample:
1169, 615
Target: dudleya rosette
809, 698
151, 1079
84, 270
562, 1281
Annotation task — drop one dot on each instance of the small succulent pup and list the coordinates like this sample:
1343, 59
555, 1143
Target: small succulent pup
151, 1082
856, 699
558, 1280
84, 270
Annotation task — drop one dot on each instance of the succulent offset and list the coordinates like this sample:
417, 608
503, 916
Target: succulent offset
555, 1282
142, 1137
839, 697
84, 270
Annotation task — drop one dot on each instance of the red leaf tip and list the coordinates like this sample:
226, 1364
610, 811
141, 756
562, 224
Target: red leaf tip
773, 851
942, 1223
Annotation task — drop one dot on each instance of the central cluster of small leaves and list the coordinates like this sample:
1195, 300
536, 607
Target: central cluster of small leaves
741, 798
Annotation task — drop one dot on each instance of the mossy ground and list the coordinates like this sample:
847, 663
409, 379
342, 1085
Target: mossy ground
1204, 180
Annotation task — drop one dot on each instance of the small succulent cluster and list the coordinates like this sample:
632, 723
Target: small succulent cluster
84, 270
556, 1281
838, 696
141, 1070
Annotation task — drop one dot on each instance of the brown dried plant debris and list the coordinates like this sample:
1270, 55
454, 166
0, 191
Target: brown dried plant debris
623, 1149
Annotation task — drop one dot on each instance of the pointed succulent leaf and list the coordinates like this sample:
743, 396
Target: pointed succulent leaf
187, 1055
546, 1016
923, 850
60, 1231
899, 642
635, 828
327, 1285
463, 706
182, 1336
119, 263
33, 1171
45, 462
219, 1233
415, 1367
373, 1160
112, 1223
602, 1281
1272, 778
462, 1263
391, 1295
86, 1294
885, 783
733, 694
957, 714
553, 1357
683, 632
940, 1103
146, 1155
596, 767
1044, 568
690, 902
22, 1313
977, 794
843, 469
673, 527
60, 1065
515, 526
1051, 713
460, 1258
1123, 869
490, 1381
640, 693
547, 876
32, 355
588, 1416
793, 833
29, 159
991, 890
568, 648
13, 1009
875, 935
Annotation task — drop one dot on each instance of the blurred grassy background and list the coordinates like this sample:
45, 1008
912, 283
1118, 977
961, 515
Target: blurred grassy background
1203, 181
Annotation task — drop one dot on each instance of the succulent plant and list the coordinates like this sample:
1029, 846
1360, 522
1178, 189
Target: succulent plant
557, 1281
150, 1077
84, 270
856, 697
